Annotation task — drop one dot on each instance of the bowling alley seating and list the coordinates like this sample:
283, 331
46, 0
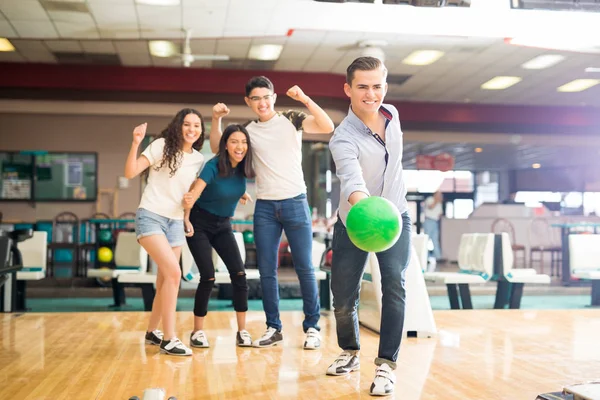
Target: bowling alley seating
483, 257
34, 253
130, 259
584, 256
476, 263
502, 225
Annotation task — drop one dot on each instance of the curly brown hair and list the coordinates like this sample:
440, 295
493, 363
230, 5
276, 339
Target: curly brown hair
172, 154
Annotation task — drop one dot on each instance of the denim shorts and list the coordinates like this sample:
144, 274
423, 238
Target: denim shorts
148, 223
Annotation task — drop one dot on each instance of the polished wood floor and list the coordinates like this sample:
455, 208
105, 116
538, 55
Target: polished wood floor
478, 354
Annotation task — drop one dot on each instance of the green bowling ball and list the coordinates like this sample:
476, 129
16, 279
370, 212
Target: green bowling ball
248, 236
374, 224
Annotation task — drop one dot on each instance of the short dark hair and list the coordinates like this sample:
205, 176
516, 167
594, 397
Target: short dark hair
364, 64
224, 164
259, 82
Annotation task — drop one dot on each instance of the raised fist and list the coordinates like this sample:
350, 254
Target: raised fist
219, 110
139, 132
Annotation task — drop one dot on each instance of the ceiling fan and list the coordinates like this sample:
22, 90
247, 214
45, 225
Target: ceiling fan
187, 58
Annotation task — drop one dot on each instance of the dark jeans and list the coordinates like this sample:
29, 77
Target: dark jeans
347, 269
293, 217
212, 231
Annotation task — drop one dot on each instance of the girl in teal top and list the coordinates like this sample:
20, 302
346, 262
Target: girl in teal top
213, 199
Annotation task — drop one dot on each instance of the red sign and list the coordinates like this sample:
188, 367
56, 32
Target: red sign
441, 162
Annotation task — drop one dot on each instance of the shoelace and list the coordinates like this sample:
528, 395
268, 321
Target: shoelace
158, 333
245, 335
199, 335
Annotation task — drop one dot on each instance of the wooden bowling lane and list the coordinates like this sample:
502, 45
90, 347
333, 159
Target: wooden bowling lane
478, 354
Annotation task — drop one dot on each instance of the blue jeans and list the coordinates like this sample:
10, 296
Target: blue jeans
431, 227
347, 269
293, 217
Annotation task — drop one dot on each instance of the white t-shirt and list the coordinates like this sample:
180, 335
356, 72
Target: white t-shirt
277, 152
433, 213
164, 193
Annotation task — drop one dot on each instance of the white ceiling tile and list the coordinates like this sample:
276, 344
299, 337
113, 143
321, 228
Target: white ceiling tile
235, 48
114, 16
135, 59
132, 47
23, 10
290, 64
295, 51
35, 29
300, 36
250, 19
6, 30
160, 18
204, 21
112, 2
34, 51
98, 46
174, 34
132, 33
204, 46
64, 46
76, 30
188, 4
69, 16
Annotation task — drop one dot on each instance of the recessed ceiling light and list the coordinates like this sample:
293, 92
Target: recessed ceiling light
423, 57
578, 85
162, 48
6, 45
543, 61
536, 165
158, 2
265, 52
478, 149
501, 82
592, 69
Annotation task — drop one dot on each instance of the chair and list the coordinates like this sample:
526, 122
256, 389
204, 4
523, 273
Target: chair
65, 236
501, 225
541, 242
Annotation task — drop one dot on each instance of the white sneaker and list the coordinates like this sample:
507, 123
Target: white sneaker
385, 379
243, 339
174, 347
271, 337
198, 339
313, 339
344, 364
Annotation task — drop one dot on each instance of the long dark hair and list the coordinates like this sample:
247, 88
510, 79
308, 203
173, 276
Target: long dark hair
245, 166
172, 154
